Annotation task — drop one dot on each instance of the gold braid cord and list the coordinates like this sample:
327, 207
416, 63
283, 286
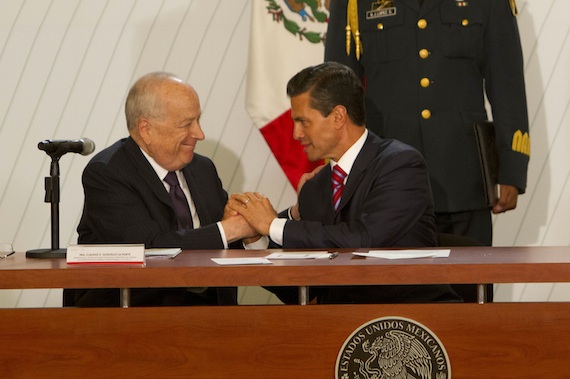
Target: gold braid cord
514, 9
352, 28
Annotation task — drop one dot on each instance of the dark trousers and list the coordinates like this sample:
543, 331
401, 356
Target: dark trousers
477, 227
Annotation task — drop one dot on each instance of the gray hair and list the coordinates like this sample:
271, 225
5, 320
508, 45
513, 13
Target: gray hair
143, 100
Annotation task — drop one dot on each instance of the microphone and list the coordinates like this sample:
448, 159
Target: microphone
83, 146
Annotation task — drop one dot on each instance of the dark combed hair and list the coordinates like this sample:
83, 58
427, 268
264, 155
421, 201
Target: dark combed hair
330, 84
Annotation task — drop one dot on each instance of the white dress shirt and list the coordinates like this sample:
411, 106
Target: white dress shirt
277, 226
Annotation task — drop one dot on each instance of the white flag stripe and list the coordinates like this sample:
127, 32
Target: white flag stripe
275, 55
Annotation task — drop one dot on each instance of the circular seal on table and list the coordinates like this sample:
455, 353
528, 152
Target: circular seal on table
392, 347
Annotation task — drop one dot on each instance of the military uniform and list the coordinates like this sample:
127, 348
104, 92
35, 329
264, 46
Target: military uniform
426, 69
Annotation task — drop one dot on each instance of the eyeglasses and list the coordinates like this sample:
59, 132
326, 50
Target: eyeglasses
6, 250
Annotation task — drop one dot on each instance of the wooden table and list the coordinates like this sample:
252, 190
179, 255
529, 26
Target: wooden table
494, 340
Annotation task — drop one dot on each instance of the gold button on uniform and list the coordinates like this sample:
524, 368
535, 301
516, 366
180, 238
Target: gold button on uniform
424, 53
424, 82
422, 23
380, 26
426, 114
465, 22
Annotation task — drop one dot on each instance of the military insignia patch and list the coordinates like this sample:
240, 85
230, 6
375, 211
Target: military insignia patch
381, 8
382, 4
392, 347
521, 143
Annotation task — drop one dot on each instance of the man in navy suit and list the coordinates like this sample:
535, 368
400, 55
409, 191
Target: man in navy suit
127, 199
386, 200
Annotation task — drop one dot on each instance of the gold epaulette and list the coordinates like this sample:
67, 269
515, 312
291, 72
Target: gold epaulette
352, 28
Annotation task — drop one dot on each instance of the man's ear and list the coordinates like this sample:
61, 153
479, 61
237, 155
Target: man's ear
340, 115
144, 130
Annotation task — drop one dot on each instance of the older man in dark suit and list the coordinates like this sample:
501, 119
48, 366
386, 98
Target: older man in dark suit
374, 192
152, 188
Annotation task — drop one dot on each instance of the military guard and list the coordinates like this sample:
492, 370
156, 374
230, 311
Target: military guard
427, 66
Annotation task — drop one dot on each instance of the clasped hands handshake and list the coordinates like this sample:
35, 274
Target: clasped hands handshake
249, 215
253, 211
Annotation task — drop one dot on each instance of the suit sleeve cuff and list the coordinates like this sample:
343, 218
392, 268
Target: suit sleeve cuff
222, 234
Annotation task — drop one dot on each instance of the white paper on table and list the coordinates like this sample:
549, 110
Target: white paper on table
300, 255
241, 261
162, 253
405, 254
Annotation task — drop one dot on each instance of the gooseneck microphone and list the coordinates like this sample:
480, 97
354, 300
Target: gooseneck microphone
83, 146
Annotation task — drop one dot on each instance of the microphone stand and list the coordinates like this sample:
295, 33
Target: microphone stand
52, 196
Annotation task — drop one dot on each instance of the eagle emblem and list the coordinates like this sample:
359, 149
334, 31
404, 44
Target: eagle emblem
393, 355
306, 19
393, 348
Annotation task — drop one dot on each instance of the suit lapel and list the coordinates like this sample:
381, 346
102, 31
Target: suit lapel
320, 197
146, 172
363, 159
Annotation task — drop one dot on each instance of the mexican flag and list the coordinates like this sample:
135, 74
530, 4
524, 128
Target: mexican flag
286, 36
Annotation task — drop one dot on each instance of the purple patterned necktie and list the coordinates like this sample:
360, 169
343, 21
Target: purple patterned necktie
179, 202
338, 176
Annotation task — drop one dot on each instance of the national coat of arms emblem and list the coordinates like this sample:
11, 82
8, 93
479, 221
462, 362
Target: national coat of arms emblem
393, 347
306, 19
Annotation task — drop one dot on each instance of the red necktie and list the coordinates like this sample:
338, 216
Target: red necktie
338, 176
179, 202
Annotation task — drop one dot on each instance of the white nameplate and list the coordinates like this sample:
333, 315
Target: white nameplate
106, 254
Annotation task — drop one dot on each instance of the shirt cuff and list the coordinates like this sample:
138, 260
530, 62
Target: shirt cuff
289, 214
222, 234
276, 230
260, 244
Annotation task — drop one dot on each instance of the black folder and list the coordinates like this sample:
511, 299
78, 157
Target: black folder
489, 158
